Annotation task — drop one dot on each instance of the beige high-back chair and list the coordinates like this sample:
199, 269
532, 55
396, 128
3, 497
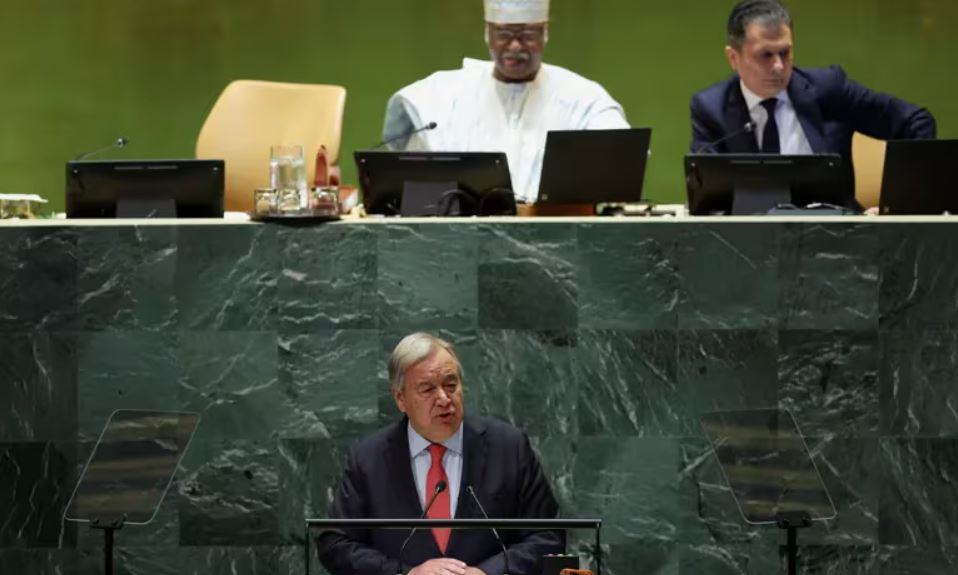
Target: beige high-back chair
868, 157
250, 116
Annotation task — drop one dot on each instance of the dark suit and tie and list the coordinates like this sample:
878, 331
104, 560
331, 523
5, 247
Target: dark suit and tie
378, 482
830, 108
829, 105
396, 472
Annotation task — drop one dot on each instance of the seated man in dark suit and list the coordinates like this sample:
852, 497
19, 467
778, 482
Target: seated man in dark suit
771, 107
395, 472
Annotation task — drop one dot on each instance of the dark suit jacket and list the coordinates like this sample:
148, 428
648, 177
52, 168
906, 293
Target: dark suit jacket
830, 108
378, 482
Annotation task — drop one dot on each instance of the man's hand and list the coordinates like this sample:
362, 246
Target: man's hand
474, 571
441, 566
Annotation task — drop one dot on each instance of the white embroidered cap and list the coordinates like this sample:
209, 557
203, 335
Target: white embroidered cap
517, 11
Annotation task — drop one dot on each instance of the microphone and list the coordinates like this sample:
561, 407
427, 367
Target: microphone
505, 554
440, 487
748, 128
120, 142
406, 134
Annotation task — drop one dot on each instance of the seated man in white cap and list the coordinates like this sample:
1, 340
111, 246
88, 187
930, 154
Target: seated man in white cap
507, 105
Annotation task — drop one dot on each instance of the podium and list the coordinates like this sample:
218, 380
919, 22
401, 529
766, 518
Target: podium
414, 524
766, 464
129, 472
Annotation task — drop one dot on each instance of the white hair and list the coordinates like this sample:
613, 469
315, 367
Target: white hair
411, 350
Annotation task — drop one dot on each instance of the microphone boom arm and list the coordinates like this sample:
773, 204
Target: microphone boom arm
505, 552
440, 487
406, 134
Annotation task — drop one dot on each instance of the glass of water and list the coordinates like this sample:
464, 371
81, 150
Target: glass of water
287, 171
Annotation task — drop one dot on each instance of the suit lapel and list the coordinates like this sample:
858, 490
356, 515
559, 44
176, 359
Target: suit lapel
736, 116
474, 451
400, 469
805, 100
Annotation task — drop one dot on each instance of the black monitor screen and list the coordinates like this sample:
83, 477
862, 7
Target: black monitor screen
145, 189
919, 177
594, 166
477, 183
746, 184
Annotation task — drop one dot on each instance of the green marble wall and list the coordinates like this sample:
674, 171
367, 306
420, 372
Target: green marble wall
603, 340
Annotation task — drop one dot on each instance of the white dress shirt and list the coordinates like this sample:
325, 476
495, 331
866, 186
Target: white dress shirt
790, 133
422, 461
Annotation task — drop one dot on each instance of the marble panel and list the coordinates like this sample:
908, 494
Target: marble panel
829, 277
38, 279
38, 387
331, 383
627, 380
120, 370
327, 279
917, 287
231, 379
127, 278
628, 277
427, 276
919, 382
527, 277
229, 494
917, 497
226, 277
723, 370
829, 381
36, 482
728, 276
630, 483
527, 378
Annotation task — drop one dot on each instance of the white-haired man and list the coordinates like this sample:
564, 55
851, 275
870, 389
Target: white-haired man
434, 459
506, 105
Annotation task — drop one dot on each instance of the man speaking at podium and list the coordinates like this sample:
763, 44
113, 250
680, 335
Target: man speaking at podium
506, 105
437, 463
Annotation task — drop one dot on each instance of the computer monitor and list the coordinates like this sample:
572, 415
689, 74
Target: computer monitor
919, 177
594, 166
744, 184
435, 183
145, 189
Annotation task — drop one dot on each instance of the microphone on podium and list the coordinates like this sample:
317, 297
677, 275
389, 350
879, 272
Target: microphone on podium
748, 128
505, 554
406, 134
120, 142
440, 487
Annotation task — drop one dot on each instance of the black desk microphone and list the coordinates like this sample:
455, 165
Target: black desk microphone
120, 142
748, 128
407, 134
440, 487
505, 554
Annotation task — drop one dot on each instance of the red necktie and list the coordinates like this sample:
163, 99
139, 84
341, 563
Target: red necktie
440, 507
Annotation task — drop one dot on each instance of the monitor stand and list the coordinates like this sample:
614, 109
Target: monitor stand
145, 208
431, 199
749, 200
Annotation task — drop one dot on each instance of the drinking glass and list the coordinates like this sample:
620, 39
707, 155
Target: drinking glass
287, 170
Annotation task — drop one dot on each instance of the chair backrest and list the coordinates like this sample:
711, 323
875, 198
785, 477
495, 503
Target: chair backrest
868, 157
250, 116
